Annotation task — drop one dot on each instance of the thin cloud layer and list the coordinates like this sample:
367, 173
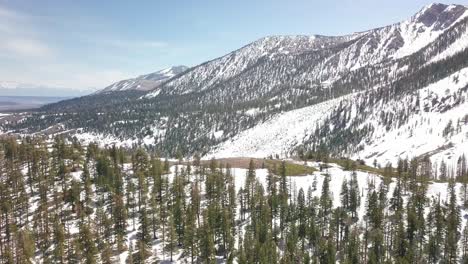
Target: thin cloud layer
36, 52
24, 48
17, 38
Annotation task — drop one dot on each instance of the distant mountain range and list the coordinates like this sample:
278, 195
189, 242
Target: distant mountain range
141, 83
23, 89
12, 103
355, 94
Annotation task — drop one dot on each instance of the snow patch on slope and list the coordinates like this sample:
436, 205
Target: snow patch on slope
458, 46
278, 135
108, 140
423, 133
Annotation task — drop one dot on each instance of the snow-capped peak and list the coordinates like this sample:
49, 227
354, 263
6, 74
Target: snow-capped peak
438, 15
165, 73
326, 58
426, 25
145, 82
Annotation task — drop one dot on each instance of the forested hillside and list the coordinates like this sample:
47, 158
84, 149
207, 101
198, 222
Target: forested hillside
61, 202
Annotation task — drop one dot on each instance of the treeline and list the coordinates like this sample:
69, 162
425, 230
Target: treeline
61, 202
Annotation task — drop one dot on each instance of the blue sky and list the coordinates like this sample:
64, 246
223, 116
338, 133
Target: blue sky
90, 44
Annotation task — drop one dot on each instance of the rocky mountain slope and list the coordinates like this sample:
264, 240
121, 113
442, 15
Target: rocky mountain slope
433, 121
283, 93
263, 68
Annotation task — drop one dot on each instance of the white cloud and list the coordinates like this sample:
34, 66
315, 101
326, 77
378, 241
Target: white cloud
134, 43
12, 46
10, 14
76, 77
18, 40
31, 57
120, 43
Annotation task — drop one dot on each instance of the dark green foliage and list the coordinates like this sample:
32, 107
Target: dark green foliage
117, 206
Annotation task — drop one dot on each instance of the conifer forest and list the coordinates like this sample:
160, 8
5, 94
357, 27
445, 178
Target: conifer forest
63, 202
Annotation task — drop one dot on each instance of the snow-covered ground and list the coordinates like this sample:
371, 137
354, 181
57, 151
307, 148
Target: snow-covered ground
296, 182
279, 135
109, 140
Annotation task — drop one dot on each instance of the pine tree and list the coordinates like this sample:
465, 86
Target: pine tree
129, 259
314, 183
178, 205
326, 204
283, 196
302, 213
106, 254
326, 251
272, 195
59, 238
171, 245
227, 235
120, 219
250, 185
164, 213
452, 225
345, 199
153, 203
207, 250
196, 200
354, 195
352, 249
190, 237
464, 243
443, 171
26, 245
291, 242
87, 242
143, 253
144, 232
436, 225
463, 178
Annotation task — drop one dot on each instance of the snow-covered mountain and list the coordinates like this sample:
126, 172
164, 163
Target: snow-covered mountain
378, 94
266, 65
145, 82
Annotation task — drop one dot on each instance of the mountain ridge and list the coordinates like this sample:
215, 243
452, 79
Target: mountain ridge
145, 82
268, 44
212, 103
